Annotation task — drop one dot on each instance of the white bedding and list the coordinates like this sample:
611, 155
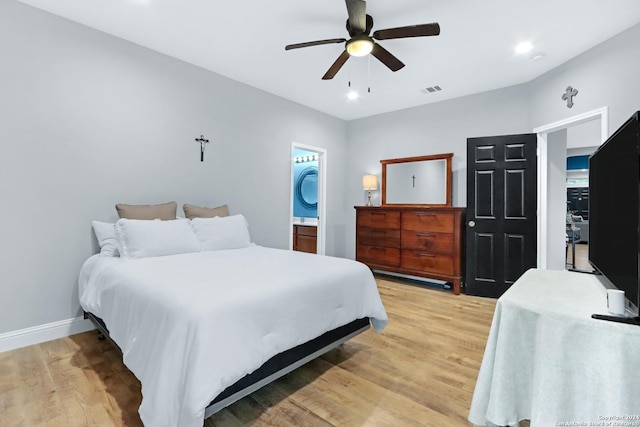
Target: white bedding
190, 325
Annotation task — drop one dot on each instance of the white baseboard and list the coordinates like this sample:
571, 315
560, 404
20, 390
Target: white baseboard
42, 333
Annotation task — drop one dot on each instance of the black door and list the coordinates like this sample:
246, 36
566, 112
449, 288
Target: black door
501, 240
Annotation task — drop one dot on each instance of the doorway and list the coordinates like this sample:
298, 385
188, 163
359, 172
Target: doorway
552, 178
307, 199
582, 140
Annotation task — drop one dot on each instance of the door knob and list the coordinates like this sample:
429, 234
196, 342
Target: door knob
472, 224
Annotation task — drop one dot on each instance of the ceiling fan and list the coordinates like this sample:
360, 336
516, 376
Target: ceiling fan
359, 26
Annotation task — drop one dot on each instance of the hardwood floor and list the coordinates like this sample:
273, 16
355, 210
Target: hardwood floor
421, 371
582, 257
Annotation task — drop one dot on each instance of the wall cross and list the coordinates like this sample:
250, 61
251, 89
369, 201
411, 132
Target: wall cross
568, 96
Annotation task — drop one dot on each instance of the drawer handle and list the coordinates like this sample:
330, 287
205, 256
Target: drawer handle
375, 248
378, 213
425, 214
425, 235
426, 254
376, 231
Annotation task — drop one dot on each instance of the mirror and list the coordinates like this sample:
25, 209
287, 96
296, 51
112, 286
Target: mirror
417, 181
307, 188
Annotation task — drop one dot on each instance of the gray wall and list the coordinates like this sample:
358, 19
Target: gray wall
606, 75
584, 135
89, 120
580, 151
437, 128
556, 199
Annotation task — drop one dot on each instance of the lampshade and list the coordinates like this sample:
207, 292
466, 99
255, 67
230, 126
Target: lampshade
360, 46
369, 182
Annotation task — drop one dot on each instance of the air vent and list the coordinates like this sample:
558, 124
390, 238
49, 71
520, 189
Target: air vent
431, 89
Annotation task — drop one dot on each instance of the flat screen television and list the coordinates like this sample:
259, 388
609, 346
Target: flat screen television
614, 213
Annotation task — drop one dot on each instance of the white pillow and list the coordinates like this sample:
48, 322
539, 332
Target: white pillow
106, 234
228, 232
139, 238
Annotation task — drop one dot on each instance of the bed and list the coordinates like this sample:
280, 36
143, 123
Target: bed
201, 330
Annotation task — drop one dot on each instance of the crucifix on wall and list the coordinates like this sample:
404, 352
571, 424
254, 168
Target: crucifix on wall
414, 181
202, 142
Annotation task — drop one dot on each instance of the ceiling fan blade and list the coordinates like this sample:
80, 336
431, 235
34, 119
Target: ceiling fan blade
421, 30
333, 70
357, 10
393, 63
315, 43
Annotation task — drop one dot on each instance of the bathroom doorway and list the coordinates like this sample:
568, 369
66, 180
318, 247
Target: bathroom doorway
307, 207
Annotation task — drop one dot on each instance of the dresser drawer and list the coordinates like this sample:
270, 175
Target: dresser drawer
423, 220
378, 255
414, 240
379, 237
427, 262
427, 241
379, 219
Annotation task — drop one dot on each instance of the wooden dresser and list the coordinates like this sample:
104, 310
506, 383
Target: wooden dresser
418, 241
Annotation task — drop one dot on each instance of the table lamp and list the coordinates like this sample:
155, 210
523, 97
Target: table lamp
369, 182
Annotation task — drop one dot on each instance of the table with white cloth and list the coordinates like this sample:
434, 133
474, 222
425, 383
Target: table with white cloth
548, 361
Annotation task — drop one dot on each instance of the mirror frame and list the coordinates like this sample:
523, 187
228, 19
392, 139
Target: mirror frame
445, 156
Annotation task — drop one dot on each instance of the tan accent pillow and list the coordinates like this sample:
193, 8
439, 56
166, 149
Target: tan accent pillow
166, 211
193, 211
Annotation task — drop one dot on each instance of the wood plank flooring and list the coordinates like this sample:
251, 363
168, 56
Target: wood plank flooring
582, 257
421, 371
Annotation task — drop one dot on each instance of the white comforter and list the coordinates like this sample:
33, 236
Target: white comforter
190, 325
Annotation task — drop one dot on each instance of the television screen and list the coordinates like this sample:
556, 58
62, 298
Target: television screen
614, 210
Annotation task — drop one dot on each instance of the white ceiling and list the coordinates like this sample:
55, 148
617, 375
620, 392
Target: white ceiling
244, 40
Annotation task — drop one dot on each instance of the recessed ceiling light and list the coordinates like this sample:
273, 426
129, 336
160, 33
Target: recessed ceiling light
353, 95
524, 47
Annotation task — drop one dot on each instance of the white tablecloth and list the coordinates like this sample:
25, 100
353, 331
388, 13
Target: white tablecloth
548, 361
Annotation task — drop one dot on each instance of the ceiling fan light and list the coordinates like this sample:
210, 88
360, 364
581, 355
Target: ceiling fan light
359, 46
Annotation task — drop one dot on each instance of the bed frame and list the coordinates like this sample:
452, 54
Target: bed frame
274, 368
